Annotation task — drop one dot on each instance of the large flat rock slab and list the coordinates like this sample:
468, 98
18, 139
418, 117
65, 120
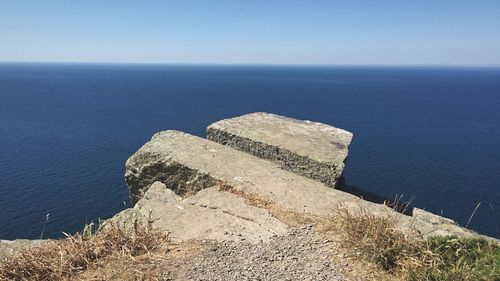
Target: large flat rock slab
187, 164
209, 214
314, 150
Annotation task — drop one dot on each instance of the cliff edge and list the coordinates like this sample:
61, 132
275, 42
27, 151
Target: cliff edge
247, 178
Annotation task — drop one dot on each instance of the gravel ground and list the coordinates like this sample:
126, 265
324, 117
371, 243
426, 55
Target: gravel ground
301, 254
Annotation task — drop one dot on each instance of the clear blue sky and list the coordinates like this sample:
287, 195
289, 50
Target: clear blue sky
252, 31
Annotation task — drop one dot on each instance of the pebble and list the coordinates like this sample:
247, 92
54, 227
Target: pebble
298, 255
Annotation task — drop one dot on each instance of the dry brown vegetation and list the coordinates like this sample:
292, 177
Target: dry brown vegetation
288, 216
67, 258
406, 256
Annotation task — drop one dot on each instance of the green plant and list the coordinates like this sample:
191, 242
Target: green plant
409, 257
463, 259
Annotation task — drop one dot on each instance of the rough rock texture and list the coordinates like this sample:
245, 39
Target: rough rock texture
314, 150
209, 214
185, 162
298, 255
179, 178
8, 248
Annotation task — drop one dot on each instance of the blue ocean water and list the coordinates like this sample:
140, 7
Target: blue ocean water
67, 129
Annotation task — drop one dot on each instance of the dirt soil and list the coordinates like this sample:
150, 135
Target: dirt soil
301, 254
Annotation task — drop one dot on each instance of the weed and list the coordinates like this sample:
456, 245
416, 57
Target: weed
63, 259
407, 256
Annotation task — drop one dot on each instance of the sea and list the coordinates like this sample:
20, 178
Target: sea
430, 134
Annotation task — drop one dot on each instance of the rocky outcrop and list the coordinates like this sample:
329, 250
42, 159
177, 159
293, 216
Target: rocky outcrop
186, 164
314, 150
219, 175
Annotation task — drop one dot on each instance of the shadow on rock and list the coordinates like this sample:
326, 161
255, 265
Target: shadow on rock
400, 206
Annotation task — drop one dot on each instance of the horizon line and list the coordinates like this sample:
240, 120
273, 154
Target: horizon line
257, 64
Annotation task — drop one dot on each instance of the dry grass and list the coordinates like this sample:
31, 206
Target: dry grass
379, 240
252, 199
66, 258
288, 216
405, 256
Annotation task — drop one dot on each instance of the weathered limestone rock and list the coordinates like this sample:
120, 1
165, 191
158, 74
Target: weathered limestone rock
209, 214
185, 163
314, 150
9, 248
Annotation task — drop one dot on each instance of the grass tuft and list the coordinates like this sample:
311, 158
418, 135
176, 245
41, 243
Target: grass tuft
461, 259
406, 256
64, 259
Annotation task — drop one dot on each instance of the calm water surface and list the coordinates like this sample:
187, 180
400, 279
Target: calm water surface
66, 131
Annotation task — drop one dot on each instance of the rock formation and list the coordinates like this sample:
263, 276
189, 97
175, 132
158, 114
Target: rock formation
314, 150
246, 181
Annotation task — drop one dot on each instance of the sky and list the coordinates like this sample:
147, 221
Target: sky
382, 32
